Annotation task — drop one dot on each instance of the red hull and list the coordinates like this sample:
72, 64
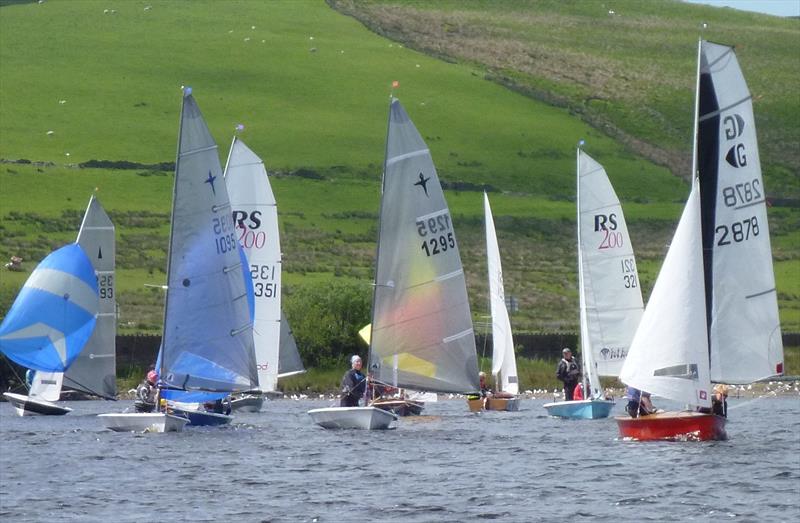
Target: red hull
685, 425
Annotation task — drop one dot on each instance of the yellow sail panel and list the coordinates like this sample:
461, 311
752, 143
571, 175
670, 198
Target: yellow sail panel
365, 332
413, 364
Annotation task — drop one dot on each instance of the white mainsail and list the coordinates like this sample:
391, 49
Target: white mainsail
744, 326
669, 352
255, 217
504, 361
421, 322
610, 296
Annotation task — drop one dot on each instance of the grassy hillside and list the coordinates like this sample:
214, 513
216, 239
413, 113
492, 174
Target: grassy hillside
626, 66
311, 86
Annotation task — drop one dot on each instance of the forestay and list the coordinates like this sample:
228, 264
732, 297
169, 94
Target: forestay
504, 362
208, 339
745, 334
95, 369
610, 296
54, 313
421, 320
255, 218
669, 353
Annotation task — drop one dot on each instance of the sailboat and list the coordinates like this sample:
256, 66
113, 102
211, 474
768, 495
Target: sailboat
504, 361
255, 217
713, 312
95, 370
608, 285
48, 325
207, 345
422, 336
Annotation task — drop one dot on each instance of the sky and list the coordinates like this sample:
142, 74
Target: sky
770, 7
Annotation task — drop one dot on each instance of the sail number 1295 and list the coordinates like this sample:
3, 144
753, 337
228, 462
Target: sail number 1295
436, 232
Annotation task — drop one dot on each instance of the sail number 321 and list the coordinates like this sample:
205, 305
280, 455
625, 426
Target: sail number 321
629, 274
437, 234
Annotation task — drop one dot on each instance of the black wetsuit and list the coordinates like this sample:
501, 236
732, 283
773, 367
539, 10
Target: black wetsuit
354, 385
570, 373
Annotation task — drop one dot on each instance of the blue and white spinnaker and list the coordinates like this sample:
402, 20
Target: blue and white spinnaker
54, 313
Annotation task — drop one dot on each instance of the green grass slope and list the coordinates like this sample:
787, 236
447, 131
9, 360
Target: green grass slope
311, 86
626, 66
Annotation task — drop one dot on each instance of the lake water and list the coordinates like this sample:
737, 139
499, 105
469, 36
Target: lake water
449, 465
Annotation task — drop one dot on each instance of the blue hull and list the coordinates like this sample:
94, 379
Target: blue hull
583, 409
203, 419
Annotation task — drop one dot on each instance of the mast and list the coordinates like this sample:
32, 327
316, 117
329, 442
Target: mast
378, 246
187, 91
587, 367
696, 111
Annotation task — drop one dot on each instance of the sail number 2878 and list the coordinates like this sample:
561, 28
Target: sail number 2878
436, 232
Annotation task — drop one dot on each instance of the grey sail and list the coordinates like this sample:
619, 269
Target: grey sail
95, 369
208, 338
289, 362
741, 299
422, 336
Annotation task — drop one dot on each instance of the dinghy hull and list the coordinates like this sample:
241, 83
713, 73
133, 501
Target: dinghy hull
680, 426
201, 418
247, 403
509, 404
143, 422
401, 407
581, 409
479, 404
364, 418
27, 406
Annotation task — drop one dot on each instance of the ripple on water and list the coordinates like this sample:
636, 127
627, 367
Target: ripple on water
451, 466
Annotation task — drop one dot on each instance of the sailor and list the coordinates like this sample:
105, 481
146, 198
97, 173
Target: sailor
639, 403
354, 383
568, 372
719, 400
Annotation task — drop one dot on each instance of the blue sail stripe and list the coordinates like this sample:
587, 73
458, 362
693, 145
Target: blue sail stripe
61, 284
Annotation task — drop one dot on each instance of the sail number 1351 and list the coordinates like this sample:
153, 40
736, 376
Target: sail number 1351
263, 280
437, 233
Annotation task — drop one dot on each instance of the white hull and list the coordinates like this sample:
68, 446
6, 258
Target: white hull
27, 406
143, 422
365, 418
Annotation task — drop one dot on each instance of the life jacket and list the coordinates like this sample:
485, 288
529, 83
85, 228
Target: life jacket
577, 394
